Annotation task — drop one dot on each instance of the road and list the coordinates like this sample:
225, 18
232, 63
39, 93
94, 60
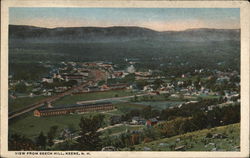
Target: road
41, 102
108, 127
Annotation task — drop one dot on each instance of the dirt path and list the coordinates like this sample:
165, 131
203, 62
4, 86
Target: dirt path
102, 129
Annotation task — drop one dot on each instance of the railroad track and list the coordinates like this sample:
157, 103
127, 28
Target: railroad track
41, 102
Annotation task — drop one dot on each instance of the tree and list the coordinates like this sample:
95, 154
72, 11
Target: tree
151, 133
147, 112
130, 78
231, 114
181, 96
186, 126
200, 120
125, 139
157, 83
19, 142
71, 127
51, 135
135, 139
102, 82
135, 98
89, 136
41, 141
167, 95
199, 99
71, 83
141, 83
21, 88
106, 140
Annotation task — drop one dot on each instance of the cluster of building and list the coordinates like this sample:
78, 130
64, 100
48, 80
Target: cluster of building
136, 120
103, 71
83, 72
141, 121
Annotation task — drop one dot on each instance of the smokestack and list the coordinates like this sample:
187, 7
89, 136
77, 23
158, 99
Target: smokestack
48, 104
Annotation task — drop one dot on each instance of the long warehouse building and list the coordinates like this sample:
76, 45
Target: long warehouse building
75, 108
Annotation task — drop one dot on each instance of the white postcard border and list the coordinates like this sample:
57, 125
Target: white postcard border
244, 19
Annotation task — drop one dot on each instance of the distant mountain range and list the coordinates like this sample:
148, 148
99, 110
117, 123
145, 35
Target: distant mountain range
33, 34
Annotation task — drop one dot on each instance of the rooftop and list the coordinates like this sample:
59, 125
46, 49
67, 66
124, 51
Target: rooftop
69, 106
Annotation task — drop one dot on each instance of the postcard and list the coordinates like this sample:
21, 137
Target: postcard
124, 78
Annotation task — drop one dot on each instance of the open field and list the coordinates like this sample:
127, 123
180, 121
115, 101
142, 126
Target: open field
125, 107
31, 126
197, 141
160, 105
20, 103
92, 96
194, 97
209, 97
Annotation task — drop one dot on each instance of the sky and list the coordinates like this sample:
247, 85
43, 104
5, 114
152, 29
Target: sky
159, 19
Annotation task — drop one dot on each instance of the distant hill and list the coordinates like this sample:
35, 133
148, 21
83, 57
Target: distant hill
33, 34
76, 34
204, 34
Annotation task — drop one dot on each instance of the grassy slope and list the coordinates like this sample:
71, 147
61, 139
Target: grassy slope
197, 141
